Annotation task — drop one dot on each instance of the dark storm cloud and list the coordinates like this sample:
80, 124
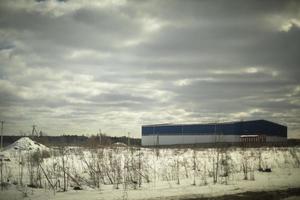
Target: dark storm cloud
8, 98
278, 50
119, 64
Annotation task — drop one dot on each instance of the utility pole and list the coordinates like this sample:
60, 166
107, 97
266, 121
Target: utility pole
2, 123
100, 137
215, 133
1, 162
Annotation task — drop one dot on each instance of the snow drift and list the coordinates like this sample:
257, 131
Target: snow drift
25, 144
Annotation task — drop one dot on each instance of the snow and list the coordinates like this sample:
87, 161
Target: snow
264, 182
164, 167
242, 136
119, 144
25, 144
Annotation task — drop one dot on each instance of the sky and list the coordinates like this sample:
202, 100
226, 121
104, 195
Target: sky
77, 66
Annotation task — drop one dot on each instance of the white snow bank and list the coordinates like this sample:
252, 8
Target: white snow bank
25, 144
119, 144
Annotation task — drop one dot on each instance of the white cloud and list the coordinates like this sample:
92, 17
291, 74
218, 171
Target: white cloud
87, 54
152, 25
252, 70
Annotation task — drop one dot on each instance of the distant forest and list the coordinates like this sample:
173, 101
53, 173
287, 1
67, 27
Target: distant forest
75, 140
104, 140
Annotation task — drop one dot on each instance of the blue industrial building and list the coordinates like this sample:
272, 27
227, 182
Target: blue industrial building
168, 134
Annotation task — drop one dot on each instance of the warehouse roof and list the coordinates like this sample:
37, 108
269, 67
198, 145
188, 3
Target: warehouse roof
210, 123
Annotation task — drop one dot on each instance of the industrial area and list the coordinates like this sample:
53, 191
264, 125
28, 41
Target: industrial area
256, 131
149, 100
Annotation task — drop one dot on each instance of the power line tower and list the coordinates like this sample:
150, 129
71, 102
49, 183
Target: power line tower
34, 132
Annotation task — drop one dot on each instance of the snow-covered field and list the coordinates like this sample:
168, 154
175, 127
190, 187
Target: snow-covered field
144, 173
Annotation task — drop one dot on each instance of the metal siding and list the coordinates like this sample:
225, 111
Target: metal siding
198, 129
238, 128
173, 129
148, 130
187, 139
226, 129
151, 140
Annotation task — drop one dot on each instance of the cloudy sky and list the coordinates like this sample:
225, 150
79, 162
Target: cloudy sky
73, 67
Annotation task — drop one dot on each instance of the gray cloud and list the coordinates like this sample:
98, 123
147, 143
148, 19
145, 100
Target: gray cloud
74, 67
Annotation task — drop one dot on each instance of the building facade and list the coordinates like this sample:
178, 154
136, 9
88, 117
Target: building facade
232, 132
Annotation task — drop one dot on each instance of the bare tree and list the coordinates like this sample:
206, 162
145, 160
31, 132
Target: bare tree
1, 172
21, 167
216, 160
177, 170
63, 160
245, 165
194, 166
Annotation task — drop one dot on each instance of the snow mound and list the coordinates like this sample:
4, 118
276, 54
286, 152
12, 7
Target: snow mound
26, 144
119, 144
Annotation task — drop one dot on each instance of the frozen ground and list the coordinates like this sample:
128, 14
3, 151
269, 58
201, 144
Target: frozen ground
278, 180
129, 173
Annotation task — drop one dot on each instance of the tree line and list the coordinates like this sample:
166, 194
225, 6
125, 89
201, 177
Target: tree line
76, 140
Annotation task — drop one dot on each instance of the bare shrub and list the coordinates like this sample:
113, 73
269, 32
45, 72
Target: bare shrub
225, 166
194, 166
34, 160
245, 165
295, 156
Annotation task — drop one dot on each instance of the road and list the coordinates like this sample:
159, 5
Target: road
292, 193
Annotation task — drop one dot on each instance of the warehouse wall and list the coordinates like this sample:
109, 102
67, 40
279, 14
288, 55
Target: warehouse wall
187, 139
167, 134
233, 128
152, 140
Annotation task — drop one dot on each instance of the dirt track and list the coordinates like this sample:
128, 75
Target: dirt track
262, 195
